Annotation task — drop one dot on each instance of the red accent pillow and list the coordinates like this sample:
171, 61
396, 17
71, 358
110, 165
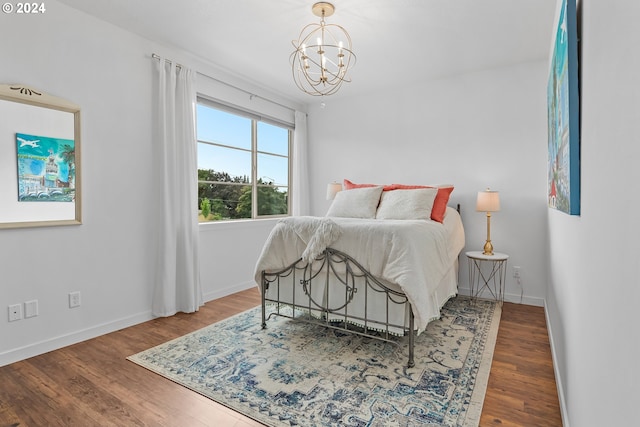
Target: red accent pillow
439, 205
348, 185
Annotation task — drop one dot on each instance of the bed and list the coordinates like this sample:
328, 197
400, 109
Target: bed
377, 265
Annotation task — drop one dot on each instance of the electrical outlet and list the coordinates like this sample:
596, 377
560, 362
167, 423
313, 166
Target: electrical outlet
31, 308
74, 299
15, 312
516, 272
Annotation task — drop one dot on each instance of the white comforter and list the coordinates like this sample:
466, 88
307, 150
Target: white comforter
414, 254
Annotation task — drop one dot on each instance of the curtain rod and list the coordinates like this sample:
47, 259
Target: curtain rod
158, 57
251, 95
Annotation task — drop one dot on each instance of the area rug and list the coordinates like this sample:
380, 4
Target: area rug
297, 374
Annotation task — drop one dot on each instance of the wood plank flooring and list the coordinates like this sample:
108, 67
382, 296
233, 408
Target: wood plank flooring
91, 383
522, 388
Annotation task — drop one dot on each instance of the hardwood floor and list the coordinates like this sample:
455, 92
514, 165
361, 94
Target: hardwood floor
522, 388
91, 383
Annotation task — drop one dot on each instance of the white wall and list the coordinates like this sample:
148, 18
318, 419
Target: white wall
593, 296
228, 254
476, 130
110, 257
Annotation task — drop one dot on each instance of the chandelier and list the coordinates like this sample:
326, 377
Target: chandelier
322, 55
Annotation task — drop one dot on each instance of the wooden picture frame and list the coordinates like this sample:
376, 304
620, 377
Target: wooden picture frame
39, 159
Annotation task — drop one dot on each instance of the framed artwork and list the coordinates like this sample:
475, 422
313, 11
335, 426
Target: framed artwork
563, 109
40, 166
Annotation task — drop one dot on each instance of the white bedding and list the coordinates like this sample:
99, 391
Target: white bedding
416, 255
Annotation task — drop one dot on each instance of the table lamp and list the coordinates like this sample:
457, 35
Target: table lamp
333, 189
488, 201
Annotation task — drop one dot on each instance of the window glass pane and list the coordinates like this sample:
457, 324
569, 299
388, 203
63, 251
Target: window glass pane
223, 201
273, 139
223, 128
272, 200
231, 165
226, 154
273, 169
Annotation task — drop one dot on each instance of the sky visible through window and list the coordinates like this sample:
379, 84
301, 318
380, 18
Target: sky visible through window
229, 129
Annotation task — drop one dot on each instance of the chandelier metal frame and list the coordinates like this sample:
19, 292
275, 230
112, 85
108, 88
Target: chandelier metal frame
323, 55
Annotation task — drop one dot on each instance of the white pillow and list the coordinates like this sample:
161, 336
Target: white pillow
407, 204
356, 203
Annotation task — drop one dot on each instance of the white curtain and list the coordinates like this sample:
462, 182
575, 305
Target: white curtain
177, 282
300, 183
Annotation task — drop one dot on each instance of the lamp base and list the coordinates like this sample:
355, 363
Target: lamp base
488, 248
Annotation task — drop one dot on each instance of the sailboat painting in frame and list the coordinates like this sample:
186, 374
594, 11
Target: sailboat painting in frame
563, 107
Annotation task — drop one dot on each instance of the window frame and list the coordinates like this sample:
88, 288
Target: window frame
255, 119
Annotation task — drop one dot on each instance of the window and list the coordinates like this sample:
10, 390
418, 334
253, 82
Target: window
244, 164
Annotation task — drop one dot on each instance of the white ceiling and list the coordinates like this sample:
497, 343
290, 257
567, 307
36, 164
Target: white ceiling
396, 41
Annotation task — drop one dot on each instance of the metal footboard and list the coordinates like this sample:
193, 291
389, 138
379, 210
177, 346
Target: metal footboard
327, 299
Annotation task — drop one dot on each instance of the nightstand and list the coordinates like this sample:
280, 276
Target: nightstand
487, 271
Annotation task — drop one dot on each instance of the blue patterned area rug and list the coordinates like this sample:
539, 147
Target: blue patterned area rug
297, 374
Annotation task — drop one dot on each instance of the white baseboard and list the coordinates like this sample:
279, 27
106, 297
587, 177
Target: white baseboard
219, 293
35, 349
563, 405
514, 298
15, 355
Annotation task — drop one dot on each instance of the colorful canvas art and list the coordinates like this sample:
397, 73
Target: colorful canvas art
563, 114
46, 169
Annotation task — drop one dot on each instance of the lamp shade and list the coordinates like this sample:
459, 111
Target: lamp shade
333, 189
488, 201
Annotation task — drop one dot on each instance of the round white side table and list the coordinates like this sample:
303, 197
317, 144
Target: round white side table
492, 276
